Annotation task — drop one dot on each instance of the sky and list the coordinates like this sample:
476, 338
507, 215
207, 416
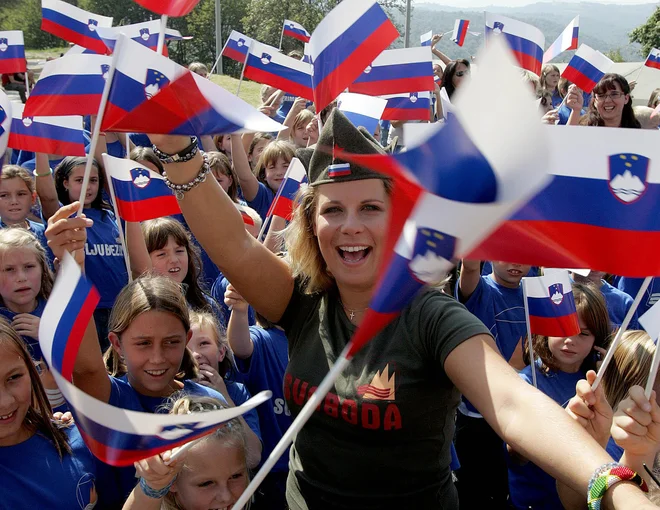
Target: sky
518, 3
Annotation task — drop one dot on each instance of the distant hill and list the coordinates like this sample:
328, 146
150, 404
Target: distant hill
604, 27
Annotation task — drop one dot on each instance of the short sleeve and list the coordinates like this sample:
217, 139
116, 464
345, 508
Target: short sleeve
299, 310
262, 200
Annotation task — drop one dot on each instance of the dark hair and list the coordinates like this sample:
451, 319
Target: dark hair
608, 82
147, 154
63, 172
219, 163
258, 137
448, 75
591, 307
654, 98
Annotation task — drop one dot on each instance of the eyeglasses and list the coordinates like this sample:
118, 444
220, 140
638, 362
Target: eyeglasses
460, 74
611, 95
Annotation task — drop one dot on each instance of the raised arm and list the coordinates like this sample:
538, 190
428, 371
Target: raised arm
137, 249
218, 226
238, 329
435, 40
298, 106
468, 279
247, 180
45, 186
574, 100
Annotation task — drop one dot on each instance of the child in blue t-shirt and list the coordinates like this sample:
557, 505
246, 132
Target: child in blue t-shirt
560, 364
262, 355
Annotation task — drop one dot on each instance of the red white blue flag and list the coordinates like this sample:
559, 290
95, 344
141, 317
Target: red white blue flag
50, 135
425, 39
145, 33
409, 106
460, 31
526, 41
150, 93
237, 47
73, 24
361, 110
172, 8
69, 85
116, 436
284, 201
140, 194
567, 40
346, 41
653, 60
586, 68
396, 71
5, 122
268, 66
551, 305
12, 52
295, 30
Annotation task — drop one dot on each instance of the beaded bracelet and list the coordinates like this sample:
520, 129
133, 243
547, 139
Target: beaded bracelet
180, 189
180, 157
606, 477
153, 493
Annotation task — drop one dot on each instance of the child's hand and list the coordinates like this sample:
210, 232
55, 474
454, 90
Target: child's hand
64, 417
26, 324
235, 301
209, 376
65, 233
574, 98
155, 472
551, 117
267, 110
591, 409
636, 426
299, 104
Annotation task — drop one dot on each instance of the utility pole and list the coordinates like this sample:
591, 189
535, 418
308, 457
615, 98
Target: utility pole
407, 29
218, 34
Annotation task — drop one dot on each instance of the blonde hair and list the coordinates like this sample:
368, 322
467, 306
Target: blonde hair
547, 69
149, 292
16, 237
630, 366
18, 172
302, 119
198, 68
208, 320
274, 150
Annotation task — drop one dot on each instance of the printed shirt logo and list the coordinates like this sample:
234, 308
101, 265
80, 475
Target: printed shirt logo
144, 33
4, 44
86, 492
381, 387
556, 292
431, 255
140, 177
92, 24
27, 121
413, 97
628, 175
154, 83
266, 58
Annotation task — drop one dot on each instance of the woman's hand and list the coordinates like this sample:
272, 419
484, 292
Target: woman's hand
636, 426
155, 472
435, 39
574, 98
26, 324
65, 233
591, 409
551, 117
235, 301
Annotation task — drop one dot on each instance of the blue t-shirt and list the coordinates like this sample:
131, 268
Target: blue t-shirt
140, 140
218, 293
34, 476
287, 103
104, 256
487, 269
615, 451
264, 370
262, 200
631, 287
618, 303
32, 343
529, 485
240, 394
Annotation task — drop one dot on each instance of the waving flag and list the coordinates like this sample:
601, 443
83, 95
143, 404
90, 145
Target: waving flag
567, 40
237, 47
144, 33
346, 41
362, 110
551, 305
12, 52
586, 68
73, 24
150, 93
140, 194
51, 135
426, 38
307, 57
526, 41
295, 30
460, 31
116, 436
70, 85
411, 106
280, 71
172, 8
396, 71
653, 60
461, 195
284, 200
5, 122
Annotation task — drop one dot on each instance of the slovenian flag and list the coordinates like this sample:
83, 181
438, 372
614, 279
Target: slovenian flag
172, 8
567, 40
5, 122
344, 43
653, 60
396, 71
267, 65
116, 436
140, 194
460, 31
586, 68
12, 52
284, 201
526, 41
237, 47
295, 30
426, 38
50, 135
73, 24
145, 33
410, 106
70, 85
551, 305
150, 93
361, 110
445, 203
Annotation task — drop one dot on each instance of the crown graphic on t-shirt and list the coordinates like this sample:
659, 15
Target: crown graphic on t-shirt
381, 386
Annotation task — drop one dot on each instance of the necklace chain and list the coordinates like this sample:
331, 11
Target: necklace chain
351, 312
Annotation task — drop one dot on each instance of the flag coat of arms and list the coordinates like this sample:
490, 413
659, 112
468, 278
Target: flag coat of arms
567, 40
12, 52
586, 68
237, 46
295, 30
653, 60
526, 41
551, 305
73, 24
408, 106
50, 135
145, 33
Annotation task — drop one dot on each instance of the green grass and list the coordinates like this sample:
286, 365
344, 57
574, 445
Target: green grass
249, 89
45, 53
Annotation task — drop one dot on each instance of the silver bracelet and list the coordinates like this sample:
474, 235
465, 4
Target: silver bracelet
181, 189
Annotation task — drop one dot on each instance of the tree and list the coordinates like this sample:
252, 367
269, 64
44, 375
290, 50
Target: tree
615, 55
26, 16
648, 34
